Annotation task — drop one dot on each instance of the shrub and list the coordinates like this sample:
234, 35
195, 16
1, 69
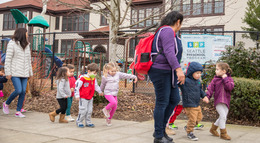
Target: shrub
245, 100
244, 62
99, 99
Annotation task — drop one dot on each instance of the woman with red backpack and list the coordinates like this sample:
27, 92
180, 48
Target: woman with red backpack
165, 72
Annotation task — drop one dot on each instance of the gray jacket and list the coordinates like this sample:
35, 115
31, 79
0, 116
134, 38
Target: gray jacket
18, 60
110, 84
63, 89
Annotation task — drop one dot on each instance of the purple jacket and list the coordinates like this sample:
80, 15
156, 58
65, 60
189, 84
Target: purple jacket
166, 41
221, 88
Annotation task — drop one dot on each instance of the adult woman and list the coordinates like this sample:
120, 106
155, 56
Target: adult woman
165, 72
18, 67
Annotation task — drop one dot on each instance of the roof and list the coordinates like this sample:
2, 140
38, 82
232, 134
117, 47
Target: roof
52, 5
101, 29
145, 1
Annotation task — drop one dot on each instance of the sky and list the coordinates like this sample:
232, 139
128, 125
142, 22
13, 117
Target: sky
3, 1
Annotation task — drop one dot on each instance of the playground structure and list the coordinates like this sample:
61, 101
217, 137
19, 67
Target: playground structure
44, 57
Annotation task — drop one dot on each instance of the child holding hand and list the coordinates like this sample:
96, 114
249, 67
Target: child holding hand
86, 86
63, 92
221, 86
110, 85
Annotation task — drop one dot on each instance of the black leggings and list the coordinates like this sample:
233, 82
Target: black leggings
63, 106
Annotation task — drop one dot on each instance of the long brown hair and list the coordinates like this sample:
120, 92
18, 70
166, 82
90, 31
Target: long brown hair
224, 66
20, 35
62, 73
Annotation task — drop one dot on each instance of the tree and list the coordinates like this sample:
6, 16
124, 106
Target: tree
117, 12
252, 18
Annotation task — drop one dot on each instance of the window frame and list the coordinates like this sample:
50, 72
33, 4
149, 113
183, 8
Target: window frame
202, 12
12, 21
102, 18
144, 15
202, 28
57, 22
75, 22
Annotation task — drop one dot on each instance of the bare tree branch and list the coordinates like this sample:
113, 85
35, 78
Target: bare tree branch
126, 11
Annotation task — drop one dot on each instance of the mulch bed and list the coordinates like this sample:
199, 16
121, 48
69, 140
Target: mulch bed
131, 107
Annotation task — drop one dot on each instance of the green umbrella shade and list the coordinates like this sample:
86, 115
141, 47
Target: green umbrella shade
19, 17
38, 21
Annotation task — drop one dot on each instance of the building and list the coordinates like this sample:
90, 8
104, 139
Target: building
212, 15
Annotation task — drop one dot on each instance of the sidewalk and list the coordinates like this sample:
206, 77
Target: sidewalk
37, 128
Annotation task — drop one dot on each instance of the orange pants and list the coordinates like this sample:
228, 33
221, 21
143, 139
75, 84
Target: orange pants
195, 116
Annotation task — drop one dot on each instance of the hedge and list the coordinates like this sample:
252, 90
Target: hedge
245, 100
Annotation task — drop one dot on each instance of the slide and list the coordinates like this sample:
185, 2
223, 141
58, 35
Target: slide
57, 61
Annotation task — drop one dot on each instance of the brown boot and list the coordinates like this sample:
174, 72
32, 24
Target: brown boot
52, 116
213, 130
62, 119
224, 135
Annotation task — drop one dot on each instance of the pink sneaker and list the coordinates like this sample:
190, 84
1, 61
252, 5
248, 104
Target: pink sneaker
5, 109
23, 111
108, 121
20, 115
106, 112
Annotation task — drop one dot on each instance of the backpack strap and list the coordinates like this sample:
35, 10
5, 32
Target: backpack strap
157, 39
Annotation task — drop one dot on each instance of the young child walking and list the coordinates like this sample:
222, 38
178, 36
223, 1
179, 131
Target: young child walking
3, 79
72, 82
63, 92
86, 86
110, 86
221, 86
191, 94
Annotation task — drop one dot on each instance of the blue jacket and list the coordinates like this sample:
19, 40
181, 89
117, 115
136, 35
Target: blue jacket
2, 80
192, 89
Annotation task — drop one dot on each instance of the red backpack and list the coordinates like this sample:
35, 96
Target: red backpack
142, 59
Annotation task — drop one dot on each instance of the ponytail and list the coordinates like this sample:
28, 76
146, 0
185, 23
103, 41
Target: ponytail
224, 66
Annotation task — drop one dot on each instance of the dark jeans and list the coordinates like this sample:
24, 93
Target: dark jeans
19, 84
63, 106
167, 98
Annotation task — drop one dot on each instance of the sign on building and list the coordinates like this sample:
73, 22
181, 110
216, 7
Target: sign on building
203, 48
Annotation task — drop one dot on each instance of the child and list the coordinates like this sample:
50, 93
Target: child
191, 94
86, 86
63, 92
72, 81
221, 86
3, 79
110, 85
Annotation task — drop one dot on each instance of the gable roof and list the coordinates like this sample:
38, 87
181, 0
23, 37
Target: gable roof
52, 5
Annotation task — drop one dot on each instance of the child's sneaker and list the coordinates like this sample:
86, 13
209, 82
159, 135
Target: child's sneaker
80, 125
20, 115
173, 127
198, 127
108, 121
192, 136
69, 118
106, 112
23, 111
90, 125
5, 109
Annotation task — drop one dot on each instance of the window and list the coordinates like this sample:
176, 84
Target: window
138, 14
75, 23
56, 46
199, 7
57, 23
219, 6
9, 22
66, 46
201, 30
104, 21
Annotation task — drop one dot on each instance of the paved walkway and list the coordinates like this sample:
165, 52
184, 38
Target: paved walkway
36, 128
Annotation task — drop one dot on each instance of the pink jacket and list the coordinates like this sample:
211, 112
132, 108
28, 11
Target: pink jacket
221, 88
